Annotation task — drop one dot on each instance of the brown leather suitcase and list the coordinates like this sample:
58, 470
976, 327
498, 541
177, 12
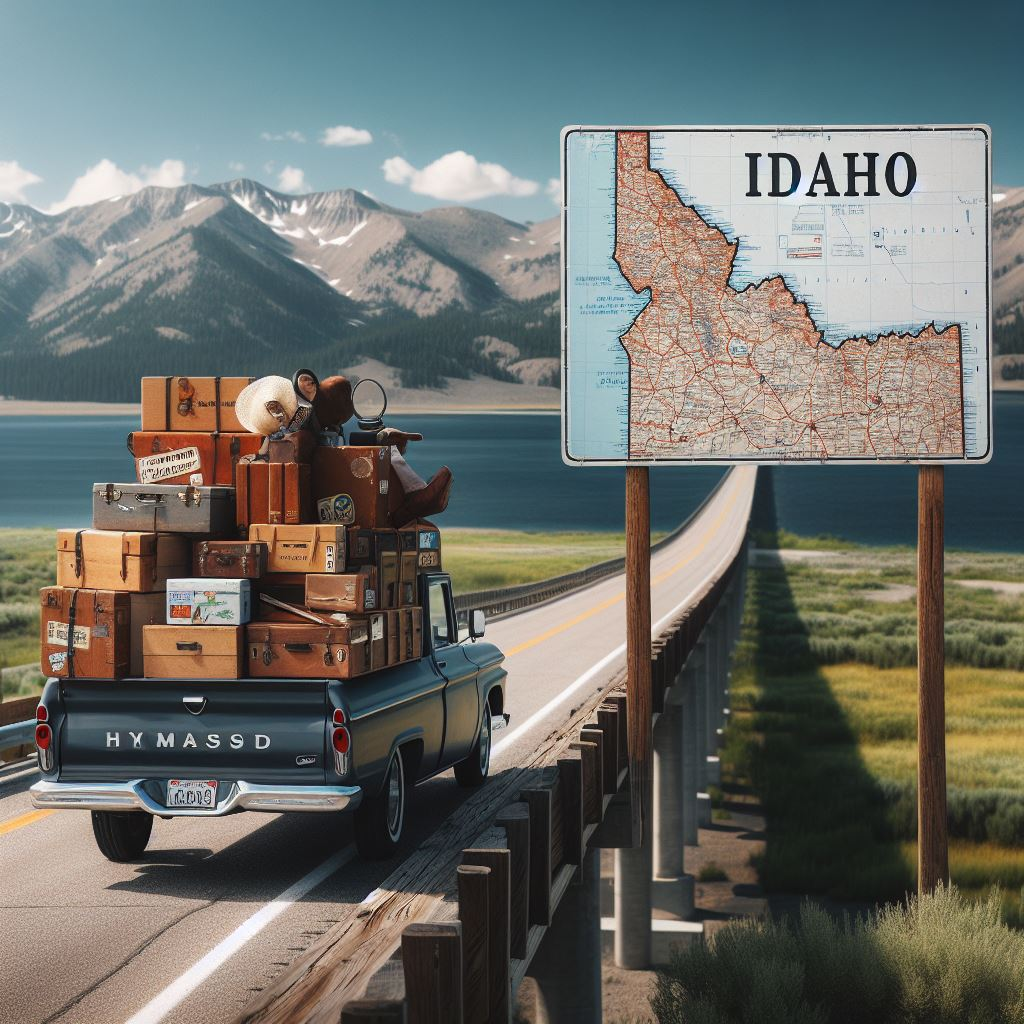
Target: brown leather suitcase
342, 592
308, 651
180, 457
351, 484
192, 403
229, 559
272, 492
410, 634
84, 633
387, 568
392, 636
193, 652
362, 547
301, 549
137, 562
424, 538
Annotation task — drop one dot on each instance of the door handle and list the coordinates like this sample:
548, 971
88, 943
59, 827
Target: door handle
442, 664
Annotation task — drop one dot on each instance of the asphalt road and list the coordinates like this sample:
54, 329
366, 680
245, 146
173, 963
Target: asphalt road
218, 907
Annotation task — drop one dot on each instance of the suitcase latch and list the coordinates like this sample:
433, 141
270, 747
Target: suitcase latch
191, 496
112, 494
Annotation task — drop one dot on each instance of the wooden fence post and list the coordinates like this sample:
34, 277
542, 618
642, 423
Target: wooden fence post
515, 820
473, 882
432, 959
491, 852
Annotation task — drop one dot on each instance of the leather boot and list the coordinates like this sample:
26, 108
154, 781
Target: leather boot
427, 501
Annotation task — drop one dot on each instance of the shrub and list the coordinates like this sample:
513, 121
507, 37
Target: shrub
940, 959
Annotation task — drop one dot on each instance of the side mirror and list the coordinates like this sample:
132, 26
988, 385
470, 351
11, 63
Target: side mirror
477, 621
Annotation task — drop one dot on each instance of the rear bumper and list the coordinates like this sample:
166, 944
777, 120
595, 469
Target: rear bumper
146, 795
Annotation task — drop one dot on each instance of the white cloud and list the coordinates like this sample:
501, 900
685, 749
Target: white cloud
345, 135
554, 191
288, 136
291, 179
458, 176
236, 166
14, 179
106, 180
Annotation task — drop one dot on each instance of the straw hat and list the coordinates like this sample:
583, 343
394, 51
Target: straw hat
270, 404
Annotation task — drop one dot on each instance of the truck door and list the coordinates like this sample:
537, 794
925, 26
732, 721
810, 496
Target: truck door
461, 692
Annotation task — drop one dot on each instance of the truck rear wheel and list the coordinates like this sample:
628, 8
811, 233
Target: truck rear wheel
379, 819
122, 835
473, 771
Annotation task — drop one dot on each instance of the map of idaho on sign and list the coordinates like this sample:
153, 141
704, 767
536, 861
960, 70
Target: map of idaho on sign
771, 295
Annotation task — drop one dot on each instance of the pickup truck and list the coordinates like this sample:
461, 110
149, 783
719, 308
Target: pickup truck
135, 749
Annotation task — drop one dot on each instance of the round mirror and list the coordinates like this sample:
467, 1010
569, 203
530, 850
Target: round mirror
369, 400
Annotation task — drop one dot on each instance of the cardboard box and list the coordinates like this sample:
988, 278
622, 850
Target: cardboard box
193, 457
302, 548
192, 403
343, 592
195, 601
125, 561
351, 483
306, 650
193, 652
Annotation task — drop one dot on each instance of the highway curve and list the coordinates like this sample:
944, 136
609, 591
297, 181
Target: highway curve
218, 907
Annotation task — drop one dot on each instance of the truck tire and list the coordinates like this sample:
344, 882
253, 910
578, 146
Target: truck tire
473, 770
122, 835
379, 819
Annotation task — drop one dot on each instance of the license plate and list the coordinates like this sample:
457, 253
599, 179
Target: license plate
191, 793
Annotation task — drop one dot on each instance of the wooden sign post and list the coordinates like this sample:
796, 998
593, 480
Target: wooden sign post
932, 839
638, 644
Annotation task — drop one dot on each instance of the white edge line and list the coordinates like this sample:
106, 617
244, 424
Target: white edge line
162, 1004
582, 680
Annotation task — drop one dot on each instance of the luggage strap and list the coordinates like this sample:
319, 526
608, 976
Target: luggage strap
79, 561
216, 402
167, 403
328, 657
268, 654
71, 633
124, 558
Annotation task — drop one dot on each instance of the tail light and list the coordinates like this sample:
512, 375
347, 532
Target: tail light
341, 741
44, 741
42, 714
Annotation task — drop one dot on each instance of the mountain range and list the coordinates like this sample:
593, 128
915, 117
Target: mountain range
240, 278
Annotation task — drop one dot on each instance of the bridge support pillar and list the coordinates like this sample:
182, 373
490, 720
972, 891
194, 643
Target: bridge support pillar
692, 679
633, 902
672, 887
567, 967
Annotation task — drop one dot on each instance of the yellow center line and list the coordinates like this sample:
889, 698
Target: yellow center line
596, 609
24, 819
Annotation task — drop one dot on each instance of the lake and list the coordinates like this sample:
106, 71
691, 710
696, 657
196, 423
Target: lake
509, 474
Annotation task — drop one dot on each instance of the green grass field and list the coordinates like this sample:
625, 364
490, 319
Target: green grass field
477, 560
824, 723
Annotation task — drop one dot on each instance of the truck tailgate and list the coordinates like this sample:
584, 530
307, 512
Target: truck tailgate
258, 731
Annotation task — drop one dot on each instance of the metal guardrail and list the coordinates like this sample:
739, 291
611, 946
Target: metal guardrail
502, 601
17, 734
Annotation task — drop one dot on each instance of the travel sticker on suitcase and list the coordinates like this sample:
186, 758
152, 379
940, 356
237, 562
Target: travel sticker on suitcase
165, 465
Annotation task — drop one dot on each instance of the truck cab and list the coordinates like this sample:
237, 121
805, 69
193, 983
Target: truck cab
133, 749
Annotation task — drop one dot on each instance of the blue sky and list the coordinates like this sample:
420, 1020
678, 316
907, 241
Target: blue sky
461, 101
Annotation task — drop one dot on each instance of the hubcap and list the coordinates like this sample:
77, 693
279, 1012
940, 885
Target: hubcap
395, 808
485, 742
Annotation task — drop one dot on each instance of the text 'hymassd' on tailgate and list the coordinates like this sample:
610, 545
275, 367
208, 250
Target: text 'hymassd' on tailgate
262, 731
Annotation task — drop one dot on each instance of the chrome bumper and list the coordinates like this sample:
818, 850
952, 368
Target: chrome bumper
147, 795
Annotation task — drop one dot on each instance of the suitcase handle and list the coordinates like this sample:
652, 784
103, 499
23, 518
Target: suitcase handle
186, 645
149, 499
298, 648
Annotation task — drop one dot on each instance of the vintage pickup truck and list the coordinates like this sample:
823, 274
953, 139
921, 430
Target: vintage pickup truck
114, 748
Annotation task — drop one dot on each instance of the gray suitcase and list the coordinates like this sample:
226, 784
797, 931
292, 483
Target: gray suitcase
165, 508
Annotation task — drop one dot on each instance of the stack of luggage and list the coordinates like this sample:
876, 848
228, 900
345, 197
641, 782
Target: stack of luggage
218, 563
